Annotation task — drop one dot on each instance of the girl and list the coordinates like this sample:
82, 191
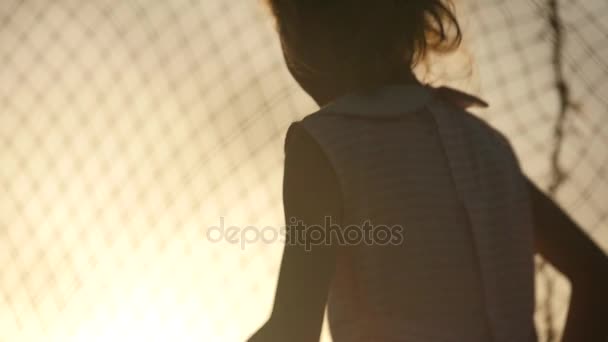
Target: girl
386, 150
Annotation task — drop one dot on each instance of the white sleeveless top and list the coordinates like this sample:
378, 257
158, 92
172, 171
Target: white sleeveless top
464, 272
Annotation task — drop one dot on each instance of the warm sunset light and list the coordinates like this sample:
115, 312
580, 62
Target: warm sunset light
129, 128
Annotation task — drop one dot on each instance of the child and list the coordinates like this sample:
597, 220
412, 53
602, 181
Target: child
386, 150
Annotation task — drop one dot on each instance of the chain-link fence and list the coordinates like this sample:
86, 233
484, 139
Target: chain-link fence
128, 128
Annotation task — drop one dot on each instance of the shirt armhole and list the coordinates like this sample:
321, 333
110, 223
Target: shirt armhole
309, 172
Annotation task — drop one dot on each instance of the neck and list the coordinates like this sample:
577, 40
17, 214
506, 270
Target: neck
326, 92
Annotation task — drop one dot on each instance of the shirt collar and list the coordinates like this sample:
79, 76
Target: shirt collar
398, 99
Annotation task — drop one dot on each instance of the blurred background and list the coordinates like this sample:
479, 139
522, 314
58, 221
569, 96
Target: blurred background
128, 128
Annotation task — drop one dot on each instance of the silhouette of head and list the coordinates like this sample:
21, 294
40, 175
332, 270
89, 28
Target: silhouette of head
332, 47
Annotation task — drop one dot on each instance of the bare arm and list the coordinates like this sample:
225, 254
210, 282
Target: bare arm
310, 192
565, 245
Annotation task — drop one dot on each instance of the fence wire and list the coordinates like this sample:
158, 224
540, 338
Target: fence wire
129, 129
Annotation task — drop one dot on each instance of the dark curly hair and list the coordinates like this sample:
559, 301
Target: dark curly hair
362, 42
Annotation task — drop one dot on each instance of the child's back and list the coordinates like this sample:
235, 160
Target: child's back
404, 155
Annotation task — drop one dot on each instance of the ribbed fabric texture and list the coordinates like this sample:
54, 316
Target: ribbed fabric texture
464, 272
